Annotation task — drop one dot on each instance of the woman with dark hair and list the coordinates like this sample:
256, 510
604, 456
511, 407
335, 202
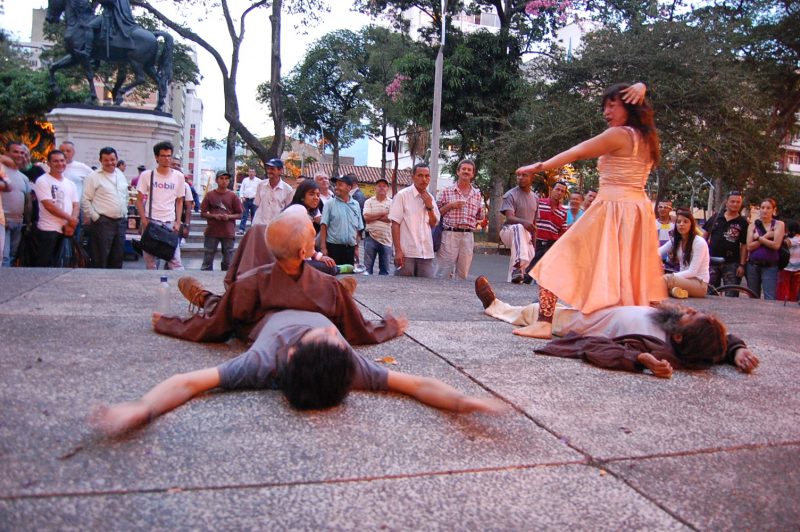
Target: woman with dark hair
764, 239
689, 252
609, 256
307, 195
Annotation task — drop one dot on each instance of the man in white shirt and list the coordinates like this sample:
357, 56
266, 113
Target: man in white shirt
247, 193
59, 206
413, 215
165, 202
323, 181
272, 195
76, 171
105, 203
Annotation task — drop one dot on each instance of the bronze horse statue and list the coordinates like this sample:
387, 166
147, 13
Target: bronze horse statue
87, 47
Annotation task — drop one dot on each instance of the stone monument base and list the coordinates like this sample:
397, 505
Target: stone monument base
132, 132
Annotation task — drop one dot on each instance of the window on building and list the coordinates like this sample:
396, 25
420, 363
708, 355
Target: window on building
793, 157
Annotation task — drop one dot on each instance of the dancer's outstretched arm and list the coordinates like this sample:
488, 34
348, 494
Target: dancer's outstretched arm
437, 394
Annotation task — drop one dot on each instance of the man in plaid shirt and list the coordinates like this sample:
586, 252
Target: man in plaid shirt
461, 207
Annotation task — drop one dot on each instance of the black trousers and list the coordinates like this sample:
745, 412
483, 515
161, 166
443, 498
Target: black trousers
540, 249
107, 242
342, 253
48, 244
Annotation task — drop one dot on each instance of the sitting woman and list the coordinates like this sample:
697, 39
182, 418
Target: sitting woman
307, 195
689, 252
764, 239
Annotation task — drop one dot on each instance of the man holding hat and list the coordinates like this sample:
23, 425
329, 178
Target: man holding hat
221, 207
272, 195
378, 241
340, 224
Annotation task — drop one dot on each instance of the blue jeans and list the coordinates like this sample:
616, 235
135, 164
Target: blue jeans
762, 277
372, 248
11, 245
248, 206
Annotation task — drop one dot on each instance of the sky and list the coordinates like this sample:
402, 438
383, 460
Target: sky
253, 56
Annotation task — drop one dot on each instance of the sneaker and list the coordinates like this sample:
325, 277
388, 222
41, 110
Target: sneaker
484, 291
517, 277
193, 291
239, 232
679, 293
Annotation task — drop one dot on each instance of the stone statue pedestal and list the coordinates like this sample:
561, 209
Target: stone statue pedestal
132, 132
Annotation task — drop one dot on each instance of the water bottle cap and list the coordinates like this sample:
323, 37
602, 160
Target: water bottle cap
164, 279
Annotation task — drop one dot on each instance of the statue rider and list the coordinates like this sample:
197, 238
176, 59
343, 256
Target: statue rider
114, 26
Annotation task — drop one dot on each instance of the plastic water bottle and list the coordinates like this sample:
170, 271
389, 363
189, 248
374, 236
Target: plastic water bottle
162, 297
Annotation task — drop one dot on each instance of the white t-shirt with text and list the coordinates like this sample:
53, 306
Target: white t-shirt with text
62, 192
168, 188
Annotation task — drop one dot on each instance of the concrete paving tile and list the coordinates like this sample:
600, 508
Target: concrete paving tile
543, 498
616, 414
17, 281
224, 437
744, 489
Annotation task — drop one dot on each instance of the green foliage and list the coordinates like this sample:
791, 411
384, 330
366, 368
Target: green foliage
327, 89
25, 98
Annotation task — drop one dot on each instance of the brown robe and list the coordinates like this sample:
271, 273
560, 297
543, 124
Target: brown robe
254, 294
620, 353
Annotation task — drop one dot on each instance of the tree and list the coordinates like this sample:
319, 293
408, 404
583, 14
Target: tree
328, 90
25, 98
310, 8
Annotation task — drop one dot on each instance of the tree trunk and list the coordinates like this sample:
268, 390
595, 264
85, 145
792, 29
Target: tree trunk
383, 146
230, 153
495, 202
396, 160
335, 149
275, 100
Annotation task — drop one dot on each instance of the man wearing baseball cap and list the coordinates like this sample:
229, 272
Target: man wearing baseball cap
272, 195
340, 224
221, 208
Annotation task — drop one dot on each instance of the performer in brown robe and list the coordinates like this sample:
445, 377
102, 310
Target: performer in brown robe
288, 283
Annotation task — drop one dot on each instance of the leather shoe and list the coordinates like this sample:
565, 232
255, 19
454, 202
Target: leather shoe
484, 291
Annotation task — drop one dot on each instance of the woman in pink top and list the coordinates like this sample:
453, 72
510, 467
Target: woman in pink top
610, 255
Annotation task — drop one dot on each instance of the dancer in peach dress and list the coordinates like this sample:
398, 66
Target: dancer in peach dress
609, 257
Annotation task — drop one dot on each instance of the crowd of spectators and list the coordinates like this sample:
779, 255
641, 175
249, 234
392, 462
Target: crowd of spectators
410, 234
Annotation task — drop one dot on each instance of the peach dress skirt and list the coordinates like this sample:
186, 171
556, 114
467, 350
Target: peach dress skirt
609, 257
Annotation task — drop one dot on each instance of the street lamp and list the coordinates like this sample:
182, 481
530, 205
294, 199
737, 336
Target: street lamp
437, 106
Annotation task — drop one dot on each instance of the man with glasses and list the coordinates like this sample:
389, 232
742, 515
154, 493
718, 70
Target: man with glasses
726, 233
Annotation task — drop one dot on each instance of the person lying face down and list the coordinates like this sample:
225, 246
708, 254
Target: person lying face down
631, 338
302, 354
287, 283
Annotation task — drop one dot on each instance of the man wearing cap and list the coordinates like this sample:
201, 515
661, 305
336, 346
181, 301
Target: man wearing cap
341, 221
378, 241
272, 195
461, 206
221, 208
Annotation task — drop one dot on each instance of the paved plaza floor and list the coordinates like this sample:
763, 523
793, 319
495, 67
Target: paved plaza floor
582, 448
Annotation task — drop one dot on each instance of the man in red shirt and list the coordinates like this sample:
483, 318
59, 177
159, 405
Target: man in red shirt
551, 221
221, 208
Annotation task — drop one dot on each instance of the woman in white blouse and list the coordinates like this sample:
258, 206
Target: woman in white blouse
689, 252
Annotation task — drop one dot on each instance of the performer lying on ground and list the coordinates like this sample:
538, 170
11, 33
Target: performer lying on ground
287, 283
302, 354
609, 257
631, 338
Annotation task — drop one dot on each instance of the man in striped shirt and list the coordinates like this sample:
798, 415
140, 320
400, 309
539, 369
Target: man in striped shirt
551, 222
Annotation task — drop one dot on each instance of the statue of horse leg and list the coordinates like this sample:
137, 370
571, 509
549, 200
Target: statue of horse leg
116, 96
139, 78
161, 83
65, 62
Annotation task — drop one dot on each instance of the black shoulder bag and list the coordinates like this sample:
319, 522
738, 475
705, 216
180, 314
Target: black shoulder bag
158, 240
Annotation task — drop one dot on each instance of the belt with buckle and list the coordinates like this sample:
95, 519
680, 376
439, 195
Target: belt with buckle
457, 229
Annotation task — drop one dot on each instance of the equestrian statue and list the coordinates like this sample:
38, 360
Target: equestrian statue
114, 37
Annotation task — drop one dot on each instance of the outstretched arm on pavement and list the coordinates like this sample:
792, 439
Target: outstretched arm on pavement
437, 394
113, 420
